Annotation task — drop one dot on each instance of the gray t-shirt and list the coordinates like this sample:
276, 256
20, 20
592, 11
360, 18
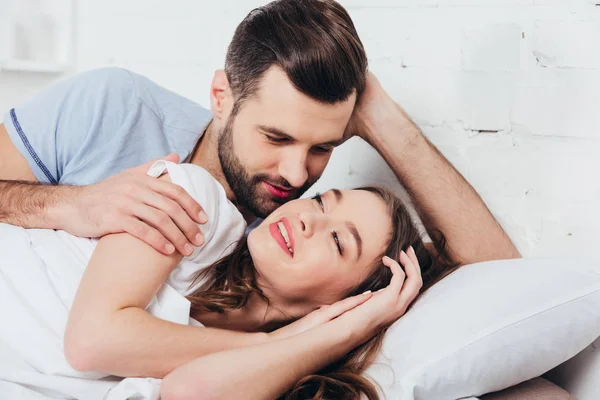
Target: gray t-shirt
86, 128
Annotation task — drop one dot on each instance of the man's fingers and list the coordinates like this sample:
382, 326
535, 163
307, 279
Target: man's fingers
173, 157
183, 198
149, 235
185, 224
163, 223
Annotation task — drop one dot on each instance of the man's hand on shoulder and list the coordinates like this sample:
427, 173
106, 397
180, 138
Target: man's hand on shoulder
156, 211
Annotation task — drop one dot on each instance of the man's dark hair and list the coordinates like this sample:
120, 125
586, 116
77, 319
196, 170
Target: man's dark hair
313, 41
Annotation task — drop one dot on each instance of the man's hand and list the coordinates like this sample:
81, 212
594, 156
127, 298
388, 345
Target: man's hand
448, 206
373, 108
155, 211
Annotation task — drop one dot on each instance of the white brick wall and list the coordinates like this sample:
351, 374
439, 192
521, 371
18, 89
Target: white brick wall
528, 70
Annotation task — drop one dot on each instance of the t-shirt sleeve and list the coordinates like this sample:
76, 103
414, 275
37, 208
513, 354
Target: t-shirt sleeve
225, 226
61, 127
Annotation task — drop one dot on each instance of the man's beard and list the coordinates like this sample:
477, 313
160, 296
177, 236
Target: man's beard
247, 188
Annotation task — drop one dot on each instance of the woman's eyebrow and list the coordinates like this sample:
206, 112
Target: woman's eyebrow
338, 194
356, 236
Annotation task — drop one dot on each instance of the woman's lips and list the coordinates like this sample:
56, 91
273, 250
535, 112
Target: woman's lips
290, 232
274, 230
278, 192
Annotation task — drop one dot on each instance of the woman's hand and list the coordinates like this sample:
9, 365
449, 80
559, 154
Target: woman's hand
383, 307
390, 303
320, 316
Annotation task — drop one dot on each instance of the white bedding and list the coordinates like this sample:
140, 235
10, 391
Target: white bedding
40, 272
34, 303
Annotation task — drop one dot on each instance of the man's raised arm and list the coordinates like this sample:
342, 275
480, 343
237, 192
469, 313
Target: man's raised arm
445, 201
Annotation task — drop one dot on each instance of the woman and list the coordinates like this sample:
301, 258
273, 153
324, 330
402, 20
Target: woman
127, 314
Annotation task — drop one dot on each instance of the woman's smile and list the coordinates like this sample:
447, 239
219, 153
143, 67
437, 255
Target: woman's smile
283, 234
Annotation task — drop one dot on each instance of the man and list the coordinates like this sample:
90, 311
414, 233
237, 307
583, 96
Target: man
294, 86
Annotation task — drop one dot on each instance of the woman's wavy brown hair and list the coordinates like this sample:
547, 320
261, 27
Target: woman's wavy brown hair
229, 283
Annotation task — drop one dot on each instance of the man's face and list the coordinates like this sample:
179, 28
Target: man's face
279, 143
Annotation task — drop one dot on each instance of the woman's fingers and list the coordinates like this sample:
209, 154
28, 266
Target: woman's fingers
413, 283
412, 255
411, 266
403, 288
398, 275
347, 304
406, 283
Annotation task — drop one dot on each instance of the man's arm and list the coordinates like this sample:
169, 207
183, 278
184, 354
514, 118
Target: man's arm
13, 166
68, 127
445, 201
157, 212
24, 201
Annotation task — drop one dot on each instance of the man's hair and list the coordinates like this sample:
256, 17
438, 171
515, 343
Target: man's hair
313, 41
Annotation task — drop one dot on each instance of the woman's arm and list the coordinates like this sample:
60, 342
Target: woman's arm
265, 371
108, 329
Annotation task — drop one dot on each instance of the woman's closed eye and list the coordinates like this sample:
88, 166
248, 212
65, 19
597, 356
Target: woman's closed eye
337, 242
334, 234
319, 201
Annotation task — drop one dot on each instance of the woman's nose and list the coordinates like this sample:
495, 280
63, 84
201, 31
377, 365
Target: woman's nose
311, 222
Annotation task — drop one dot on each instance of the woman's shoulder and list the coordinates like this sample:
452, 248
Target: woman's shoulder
200, 184
206, 187
226, 222
194, 179
225, 225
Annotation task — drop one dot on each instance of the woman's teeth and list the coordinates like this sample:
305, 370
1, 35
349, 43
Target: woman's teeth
285, 235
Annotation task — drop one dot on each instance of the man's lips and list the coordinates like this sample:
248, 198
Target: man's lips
279, 192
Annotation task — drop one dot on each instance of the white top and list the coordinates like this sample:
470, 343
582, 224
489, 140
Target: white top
40, 271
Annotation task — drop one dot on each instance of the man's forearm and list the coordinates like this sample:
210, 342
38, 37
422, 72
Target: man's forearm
31, 204
446, 202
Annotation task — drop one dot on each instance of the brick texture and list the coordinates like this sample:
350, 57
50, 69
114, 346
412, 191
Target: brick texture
508, 89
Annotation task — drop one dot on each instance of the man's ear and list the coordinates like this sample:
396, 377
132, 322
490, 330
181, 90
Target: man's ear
221, 98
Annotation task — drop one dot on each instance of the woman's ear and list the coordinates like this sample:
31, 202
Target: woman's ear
221, 98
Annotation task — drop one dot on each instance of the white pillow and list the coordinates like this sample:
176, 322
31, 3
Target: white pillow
580, 376
489, 326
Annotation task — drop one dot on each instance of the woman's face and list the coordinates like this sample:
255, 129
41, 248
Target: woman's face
312, 251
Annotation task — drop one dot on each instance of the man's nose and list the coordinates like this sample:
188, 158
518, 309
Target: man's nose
293, 169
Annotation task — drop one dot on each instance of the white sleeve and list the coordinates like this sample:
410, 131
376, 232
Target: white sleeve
224, 228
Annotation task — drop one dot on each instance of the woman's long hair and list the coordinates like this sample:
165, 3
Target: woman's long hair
229, 283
